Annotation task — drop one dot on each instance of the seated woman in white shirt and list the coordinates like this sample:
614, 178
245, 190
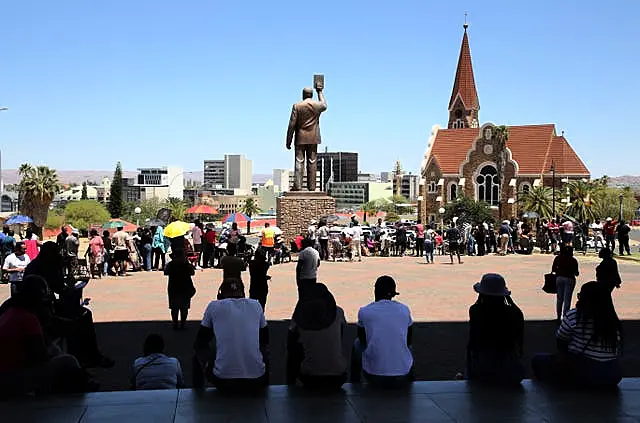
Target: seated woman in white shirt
589, 343
382, 351
314, 347
155, 370
239, 329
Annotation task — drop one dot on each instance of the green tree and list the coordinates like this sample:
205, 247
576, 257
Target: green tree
539, 200
84, 192
116, 201
38, 185
81, 214
55, 219
466, 209
582, 200
607, 203
370, 208
250, 208
501, 136
177, 206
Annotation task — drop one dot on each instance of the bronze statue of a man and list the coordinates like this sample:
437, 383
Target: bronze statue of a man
305, 124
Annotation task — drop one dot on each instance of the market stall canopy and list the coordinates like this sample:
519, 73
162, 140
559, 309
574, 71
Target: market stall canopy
202, 209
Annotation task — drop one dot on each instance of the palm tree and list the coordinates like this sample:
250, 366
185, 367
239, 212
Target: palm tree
539, 200
501, 136
250, 208
177, 206
582, 200
369, 208
38, 185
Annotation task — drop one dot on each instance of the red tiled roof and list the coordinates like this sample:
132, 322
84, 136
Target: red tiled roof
565, 159
532, 147
464, 84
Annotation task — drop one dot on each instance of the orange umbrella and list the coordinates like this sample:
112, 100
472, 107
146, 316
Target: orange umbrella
202, 209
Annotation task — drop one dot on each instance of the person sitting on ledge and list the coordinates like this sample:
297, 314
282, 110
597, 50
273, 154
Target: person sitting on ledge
155, 370
589, 343
27, 363
496, 327
382, 350
239, 328
314, 347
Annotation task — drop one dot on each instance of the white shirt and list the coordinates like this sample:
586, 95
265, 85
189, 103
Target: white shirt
357, 232
14, 262
308, 260
386, 324
579, 335
311, 231
429, 234
323, 232
348, 232
236, 324
597, 228
157, 371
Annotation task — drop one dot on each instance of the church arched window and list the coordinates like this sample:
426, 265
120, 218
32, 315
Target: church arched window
452, 191
488, 187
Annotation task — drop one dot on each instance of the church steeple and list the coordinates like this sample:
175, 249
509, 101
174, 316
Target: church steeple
464, 104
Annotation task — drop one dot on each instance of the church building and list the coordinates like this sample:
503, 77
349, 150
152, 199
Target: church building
463, 159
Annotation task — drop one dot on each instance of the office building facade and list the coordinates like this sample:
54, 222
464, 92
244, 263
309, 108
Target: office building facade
235, 171
352, 195
337, 167
160, 182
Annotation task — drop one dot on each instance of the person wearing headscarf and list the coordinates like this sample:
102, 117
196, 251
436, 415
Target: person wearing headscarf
589, 341
241, 340
314, 346
607, 270
158, 248
496, 328
71, 320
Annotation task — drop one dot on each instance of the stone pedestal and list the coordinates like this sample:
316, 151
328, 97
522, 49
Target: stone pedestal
296, 209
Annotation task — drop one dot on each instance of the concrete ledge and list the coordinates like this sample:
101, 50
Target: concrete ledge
445, 401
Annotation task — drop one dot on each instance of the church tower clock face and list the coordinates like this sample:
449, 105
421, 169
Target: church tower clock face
488, 149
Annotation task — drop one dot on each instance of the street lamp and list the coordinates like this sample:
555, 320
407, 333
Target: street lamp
553, 187
137, 211
620, 197
441, 210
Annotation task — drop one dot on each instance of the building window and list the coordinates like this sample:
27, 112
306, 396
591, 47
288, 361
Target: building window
452, 192
458, 123
431, 188
474, 123
488, 187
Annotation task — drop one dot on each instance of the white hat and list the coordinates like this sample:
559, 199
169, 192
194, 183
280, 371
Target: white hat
609, 219
506, 222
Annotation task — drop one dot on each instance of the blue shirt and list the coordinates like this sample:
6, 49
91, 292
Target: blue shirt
8, 243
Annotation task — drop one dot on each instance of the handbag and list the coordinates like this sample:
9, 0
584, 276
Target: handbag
550, 286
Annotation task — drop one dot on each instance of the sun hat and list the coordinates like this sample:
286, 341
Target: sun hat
492, 284
609, 219
506, 222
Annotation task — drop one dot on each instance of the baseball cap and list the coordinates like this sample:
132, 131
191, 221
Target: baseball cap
386, 286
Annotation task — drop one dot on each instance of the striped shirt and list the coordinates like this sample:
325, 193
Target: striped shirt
579, 335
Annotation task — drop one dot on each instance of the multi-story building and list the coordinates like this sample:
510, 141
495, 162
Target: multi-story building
352, 195
130, 190
338, 167
368, 177
9, 202
281, 179
160, 182
386, 176
213, 174
230, 203
234, 171
409, 186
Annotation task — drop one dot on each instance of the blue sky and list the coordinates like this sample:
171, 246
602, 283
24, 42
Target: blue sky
149, 83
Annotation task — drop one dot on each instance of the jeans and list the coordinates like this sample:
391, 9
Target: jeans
324, 249
376, 381
611, 243
158, 255
146, 255
428, 250
419, 246
565, 288
575, 370
623, 244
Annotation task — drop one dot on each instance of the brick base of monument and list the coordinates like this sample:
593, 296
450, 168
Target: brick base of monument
296, 210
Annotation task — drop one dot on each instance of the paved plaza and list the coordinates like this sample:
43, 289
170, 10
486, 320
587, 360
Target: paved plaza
436, 292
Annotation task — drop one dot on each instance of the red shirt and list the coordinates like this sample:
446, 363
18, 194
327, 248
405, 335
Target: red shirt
16, 326
210, 237
554, 228
298, 242
610, 228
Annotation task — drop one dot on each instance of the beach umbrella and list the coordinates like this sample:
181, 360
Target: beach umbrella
119, 223
236, 217
202, 209
18, 219
276, 230
176, 229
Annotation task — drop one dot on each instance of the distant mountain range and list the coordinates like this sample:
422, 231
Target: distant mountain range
10, 176
626, 181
